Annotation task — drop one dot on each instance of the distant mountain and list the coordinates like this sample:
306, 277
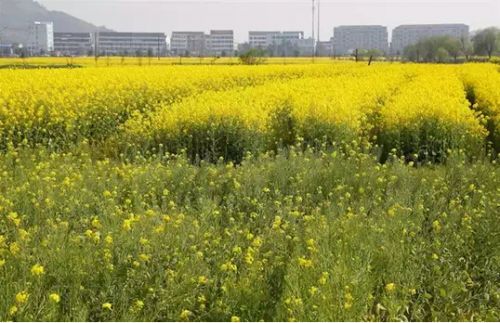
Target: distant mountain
17, 15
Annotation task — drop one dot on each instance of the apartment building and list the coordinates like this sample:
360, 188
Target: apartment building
133, 44
324, 48
220, 43
188, 43
41, 38
73, 44
264, 39
406, 35
6, 50
349, 38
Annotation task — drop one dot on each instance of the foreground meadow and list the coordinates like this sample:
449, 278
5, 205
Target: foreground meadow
302, 192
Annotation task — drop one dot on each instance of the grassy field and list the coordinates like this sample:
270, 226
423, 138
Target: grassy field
334, 191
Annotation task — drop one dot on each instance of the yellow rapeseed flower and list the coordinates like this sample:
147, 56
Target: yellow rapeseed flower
54, 297
107, 306
37, 270
391, 287
22, 297
185, 314
13, 310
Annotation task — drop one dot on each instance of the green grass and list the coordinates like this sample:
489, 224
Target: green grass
306, 236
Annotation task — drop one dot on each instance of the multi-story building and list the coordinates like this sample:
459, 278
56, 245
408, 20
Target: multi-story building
188, 43
261, 39
349, 38
221, 42
406, 35
277, 43
140, 44
305, 46
74, 44
324, 48
264, 39
6, 50
41, 38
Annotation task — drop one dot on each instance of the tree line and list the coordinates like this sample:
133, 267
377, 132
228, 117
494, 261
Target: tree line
446, 48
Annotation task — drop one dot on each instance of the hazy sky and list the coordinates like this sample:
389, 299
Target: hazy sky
245, 15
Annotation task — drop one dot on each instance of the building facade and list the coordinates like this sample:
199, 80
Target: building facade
265, 39
130, 44
6, 50
349, 38
324, 48
261, 39
406, 35
74, 44
188, 43
221, 43
41, 38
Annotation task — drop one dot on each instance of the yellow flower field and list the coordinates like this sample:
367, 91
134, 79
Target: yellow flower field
332, 191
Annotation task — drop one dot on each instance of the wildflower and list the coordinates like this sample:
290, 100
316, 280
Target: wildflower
2, 263
144, 257
14, 217
37, 270
96, 223
185, 314
311, 245
202, 280
348, 301
109, 239
313, 290
306, 263
228, 266
107, 306
436, 226
54, 297
138, 304
235, 319
324, 277
391, 287
23, 234
13, 310
22, 297
127, 225
14, 248
277, 223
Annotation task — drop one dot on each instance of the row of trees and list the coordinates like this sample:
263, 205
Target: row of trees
445, 48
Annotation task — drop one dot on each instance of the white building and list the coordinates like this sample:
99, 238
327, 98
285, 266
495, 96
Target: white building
264, 39
188, 43
406, 35
349, 38
6, 50
221, 43
261, 39
41, 38
305, 46
74, 44
118, 43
